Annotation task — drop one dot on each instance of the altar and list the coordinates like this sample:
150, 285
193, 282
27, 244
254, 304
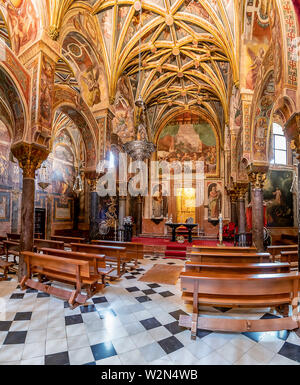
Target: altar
189, 226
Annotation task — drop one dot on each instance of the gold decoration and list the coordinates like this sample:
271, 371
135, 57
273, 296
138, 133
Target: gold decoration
242, 189
30, 157
53, 32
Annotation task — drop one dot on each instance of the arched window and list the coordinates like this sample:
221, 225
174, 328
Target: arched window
279, 145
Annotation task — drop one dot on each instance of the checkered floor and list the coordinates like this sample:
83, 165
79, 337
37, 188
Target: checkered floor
131, 322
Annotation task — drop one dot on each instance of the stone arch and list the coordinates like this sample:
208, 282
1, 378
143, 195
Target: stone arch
69, 102
13, 108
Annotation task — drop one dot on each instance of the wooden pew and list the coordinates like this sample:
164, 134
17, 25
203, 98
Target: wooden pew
60, 269
222, 257
275, 250
250, 291
225, 249
2, 248
13, 237
40, 243
67, 240
11, 248
291, 257
133, 250
238, 268
96, 262
114, 255
5, 266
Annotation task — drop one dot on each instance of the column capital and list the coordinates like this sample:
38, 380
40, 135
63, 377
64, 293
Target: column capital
232, 193
30, 157
242, 188
257, 174
92, 178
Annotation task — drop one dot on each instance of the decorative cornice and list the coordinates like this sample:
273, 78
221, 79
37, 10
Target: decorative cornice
30, 157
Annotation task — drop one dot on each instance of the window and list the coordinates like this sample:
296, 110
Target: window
279, 145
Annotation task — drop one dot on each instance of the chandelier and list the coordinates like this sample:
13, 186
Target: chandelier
44, 177
140, 148
78, 184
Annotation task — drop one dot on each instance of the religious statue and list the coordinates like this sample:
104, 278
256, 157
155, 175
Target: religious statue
214, 201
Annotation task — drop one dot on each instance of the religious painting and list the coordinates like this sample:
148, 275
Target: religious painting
4, 206
190, 143
63, 212
89, 69
123, 122
214, 200
47, 76
279, 198
24, 22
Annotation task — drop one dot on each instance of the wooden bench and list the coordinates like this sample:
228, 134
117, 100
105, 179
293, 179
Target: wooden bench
291, 257
5, 266
96, 262
225, 249
11, 248
133, 250
275, 250
60, 269
2, 248
238, 268
13, 236
250, 291
114, 256
67, 240
222, 257
40, 243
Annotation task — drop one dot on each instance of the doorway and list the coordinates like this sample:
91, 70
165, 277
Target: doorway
39, 223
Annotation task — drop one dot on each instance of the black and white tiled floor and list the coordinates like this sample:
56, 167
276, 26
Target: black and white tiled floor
131, 322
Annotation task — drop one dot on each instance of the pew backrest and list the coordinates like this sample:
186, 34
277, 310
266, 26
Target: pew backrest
220, 257
42, 263
50, 244
289, 256
13, 236
108, 251
226, 249
256, 289
238, 268
95, 261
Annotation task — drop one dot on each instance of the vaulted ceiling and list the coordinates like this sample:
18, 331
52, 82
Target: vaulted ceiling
188, 53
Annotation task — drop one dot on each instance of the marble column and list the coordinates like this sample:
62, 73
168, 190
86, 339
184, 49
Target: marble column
257, 176
30, 157
94, 209
242, 189
122, 210
233, 196
139, 211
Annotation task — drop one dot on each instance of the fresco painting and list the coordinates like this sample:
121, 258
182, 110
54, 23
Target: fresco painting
189, 142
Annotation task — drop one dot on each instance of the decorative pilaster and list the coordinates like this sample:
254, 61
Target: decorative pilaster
241, 189
257, 174
30, 157
233, 196
292, 131
92, 179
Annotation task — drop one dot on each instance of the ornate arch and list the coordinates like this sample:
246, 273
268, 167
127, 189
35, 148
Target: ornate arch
70, 103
